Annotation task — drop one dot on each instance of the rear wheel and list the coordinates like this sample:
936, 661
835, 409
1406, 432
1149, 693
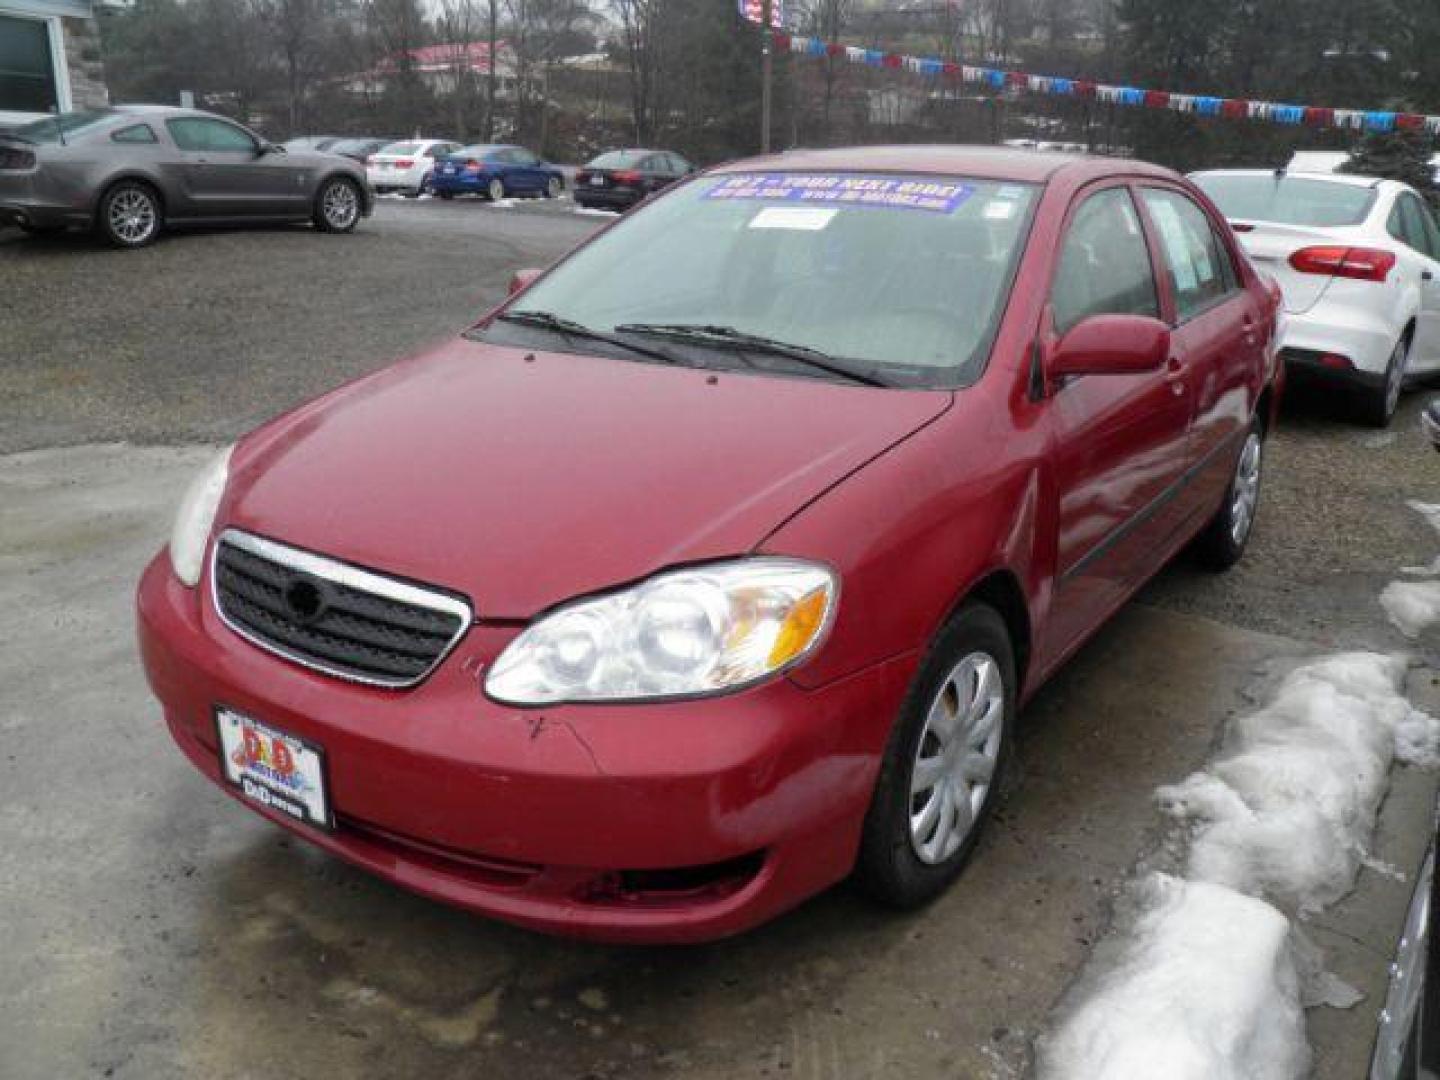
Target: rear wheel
943, 764
495, 190
445, 194
129, 215
337, 205
1379, 405
1223, 542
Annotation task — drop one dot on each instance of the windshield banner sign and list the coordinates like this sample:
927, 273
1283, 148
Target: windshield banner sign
938, 196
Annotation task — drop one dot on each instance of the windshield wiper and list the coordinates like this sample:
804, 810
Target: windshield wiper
728, 335
548, 320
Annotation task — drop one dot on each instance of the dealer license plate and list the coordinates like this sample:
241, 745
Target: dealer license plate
273, 768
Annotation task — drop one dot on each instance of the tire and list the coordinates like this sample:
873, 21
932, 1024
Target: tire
553, 187
495, 190
1378, 406
337, 205
130, 214
447, 195
1222, 542
904, 861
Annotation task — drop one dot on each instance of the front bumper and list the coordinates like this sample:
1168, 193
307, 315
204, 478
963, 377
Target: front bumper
656, 823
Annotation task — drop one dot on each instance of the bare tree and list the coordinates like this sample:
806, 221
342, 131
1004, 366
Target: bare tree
641, 34
458, 23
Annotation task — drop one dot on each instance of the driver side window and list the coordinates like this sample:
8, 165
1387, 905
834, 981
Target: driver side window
199, 133
1104, 263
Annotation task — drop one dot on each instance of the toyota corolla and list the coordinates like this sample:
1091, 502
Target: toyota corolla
712, 567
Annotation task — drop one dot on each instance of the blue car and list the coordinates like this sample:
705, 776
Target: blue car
495, 172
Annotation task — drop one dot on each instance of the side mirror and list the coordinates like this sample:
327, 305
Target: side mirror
522, 279
271, 148
1110, 345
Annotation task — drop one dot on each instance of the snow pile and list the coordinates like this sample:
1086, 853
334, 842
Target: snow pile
1213, 980
1413, 606
590, 211
1207, 990
1288, 810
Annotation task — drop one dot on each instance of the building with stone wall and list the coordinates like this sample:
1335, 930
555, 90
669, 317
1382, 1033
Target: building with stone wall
49, 59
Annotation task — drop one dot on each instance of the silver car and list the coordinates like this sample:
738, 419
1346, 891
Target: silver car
130, 171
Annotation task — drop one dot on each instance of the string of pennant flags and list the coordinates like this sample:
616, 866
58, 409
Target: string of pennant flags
1136, 97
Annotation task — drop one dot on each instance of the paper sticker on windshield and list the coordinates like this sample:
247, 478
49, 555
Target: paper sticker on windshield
937, 196
803, 218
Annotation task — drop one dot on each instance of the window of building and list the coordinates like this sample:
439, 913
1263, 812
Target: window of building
27, 66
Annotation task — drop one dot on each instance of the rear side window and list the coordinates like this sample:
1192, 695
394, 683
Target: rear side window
1287, 200
1192, 251
135, 133
1410, 223
1104, 263
199, 133
400, 148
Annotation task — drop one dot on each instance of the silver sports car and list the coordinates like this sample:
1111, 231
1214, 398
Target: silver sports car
130, 171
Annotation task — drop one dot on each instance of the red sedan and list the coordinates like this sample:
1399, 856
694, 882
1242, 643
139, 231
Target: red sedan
713, 566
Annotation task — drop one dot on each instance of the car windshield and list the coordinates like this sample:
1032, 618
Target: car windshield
401, 148
903, 278
618, 159
63, 126
1286, 199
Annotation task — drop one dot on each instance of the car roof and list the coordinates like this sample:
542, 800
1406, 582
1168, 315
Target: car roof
1349, 179
980, 162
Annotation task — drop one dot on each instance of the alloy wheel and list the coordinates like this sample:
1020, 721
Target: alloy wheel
496, 190
1245, 492
553, 187
132, 216
956, 759
340, 205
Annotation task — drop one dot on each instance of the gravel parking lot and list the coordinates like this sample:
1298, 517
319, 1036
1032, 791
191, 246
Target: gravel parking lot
154, 929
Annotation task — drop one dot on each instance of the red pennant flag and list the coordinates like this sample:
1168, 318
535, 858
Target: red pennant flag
1410, 122
834, 49
893, 60
1017, 78
1156, 99
952, 69
1318, 117
1234, 109
781, 40
1085, 89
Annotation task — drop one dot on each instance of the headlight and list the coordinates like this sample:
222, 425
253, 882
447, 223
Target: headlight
698, 631
196, 515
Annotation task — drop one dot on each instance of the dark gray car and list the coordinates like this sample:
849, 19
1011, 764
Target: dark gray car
130, 171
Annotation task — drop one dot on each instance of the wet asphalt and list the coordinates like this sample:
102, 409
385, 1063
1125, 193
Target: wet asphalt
153, 929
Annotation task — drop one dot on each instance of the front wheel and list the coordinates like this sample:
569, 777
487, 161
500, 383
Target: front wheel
1223, 541
129, 215
553, 187
495, 191
337, 205
943, 764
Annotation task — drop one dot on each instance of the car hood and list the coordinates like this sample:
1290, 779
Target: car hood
523, 479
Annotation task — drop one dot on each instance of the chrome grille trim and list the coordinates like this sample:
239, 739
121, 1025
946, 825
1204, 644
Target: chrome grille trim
348, 576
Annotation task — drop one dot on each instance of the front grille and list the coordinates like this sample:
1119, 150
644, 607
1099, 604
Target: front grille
331, 616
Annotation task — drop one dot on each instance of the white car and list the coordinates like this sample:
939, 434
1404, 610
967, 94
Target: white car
406, 167
1358, 261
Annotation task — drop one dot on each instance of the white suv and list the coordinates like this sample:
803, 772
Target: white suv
1358, 261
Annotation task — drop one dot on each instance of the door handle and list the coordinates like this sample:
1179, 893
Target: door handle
1426, 275
1175, 375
